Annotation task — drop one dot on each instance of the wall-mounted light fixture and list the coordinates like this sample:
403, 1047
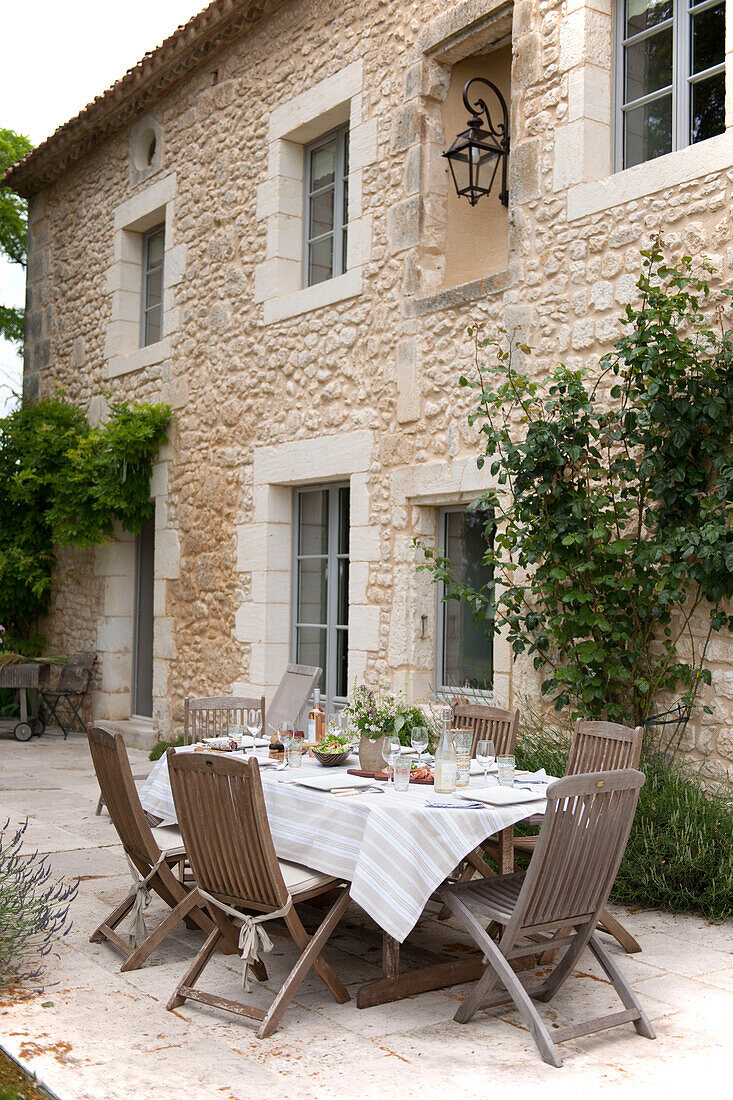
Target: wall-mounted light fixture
475, 155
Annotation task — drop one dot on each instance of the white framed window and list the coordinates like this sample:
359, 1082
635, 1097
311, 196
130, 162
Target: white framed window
326, 207
320, 613
670, 76
153, 247
464, 649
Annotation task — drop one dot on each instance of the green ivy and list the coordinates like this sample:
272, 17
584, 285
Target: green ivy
65, 482
613, 499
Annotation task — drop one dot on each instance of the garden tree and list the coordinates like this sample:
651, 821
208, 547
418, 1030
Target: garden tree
13, 227
613, 551
65, 482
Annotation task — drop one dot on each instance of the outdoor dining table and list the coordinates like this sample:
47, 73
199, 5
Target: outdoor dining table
393, 849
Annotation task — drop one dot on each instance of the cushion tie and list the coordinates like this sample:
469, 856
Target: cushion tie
253, 937
142, 899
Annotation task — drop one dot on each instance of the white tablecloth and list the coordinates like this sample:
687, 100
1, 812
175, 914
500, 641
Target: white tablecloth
393, 849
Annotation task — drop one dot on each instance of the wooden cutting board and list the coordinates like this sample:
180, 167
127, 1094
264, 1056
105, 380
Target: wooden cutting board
383, 779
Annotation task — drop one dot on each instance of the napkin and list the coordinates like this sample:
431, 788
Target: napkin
445, 802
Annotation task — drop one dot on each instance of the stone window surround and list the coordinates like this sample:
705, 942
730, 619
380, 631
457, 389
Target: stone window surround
302, 119
425, 489
583, 147
265, 547
150, 207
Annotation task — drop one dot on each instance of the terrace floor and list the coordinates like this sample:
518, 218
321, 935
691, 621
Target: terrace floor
96, 1034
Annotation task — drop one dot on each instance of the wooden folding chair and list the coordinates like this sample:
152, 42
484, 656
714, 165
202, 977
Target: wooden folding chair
152, 855
292, 694
212, 717
70, 692
221, 813
584, 833
599, 746
492, 724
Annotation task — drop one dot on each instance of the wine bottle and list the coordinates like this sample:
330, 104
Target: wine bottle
316, 719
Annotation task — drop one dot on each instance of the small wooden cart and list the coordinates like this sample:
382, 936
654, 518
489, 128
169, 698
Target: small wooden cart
28, 679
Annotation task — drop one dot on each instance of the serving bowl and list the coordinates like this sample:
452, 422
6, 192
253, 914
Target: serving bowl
331, 759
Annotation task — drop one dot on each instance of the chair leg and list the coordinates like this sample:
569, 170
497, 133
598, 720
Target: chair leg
135, 960
499, 969
100, 804
622, 987
195, 970
302, 940
309, 958
117, 915
609, 924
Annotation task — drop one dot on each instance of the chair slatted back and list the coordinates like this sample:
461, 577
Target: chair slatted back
223, 821
582, 841
114, 775
212, 717
489, 723
293, 692
603, 747
76, 673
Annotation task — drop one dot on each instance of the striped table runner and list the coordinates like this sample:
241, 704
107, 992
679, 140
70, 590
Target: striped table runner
393, 849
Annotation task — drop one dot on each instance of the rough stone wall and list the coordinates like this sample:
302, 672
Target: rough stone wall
388, 360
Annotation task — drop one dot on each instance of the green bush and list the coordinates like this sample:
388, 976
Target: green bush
680, 852
157, 750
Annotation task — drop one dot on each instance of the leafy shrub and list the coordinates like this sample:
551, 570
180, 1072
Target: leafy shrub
680, 852
34, 910
162, 746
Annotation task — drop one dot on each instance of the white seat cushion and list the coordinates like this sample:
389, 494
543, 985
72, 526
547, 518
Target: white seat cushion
299, 879
169, 839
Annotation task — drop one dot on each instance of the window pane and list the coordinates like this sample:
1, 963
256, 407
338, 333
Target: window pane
313, 522
343, 520
321, 220
641, 14
156, 242
648, 65
311, 650
708, 39
342, 663
342, 613
313, 590
320, 261
708, 108
467, 648
323, 165
648, 131
154, 284
152, 327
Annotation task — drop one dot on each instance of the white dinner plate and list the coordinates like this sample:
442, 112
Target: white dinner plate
501, 796
330, 782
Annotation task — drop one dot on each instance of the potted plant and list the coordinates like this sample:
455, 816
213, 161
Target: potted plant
372, 718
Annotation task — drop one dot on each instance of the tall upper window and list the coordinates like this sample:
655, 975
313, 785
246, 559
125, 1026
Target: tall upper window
326, 207
671, 75
465, 649
152, 292
321, 586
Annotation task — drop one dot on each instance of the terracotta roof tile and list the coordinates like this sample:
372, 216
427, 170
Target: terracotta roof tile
189, 47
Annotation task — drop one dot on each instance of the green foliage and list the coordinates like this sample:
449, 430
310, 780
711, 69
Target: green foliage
13, 147
612, 503
62, 481
161, 747
680, 852
34, 910
371, 716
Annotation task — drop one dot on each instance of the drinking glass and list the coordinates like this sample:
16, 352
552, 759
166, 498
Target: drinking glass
254, 724
419, 741
294, 752
401, 769
390, 750
485, 754
505, 770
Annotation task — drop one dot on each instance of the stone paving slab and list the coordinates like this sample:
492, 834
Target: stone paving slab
103, 1035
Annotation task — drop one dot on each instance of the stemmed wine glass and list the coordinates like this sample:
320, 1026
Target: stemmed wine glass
419, 741
390, 749
485, 754
254, 725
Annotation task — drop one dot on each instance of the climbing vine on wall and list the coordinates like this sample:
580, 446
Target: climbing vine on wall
65, 482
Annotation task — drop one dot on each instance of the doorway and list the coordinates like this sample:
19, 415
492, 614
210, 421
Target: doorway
142, 683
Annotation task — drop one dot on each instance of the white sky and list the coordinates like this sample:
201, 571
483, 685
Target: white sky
60, 54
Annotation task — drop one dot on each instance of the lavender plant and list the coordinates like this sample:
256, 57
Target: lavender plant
34, 910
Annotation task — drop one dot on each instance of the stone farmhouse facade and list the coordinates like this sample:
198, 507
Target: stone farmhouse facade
318, 425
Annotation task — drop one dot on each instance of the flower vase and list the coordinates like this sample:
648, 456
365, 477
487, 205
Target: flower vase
370, 754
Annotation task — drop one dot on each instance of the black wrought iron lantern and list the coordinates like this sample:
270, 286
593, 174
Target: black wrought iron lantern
482, 151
